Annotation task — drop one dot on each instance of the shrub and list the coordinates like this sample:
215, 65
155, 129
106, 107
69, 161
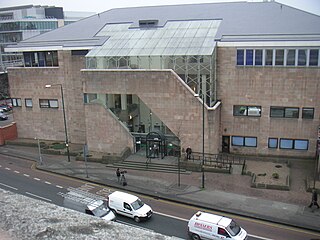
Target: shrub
275, 175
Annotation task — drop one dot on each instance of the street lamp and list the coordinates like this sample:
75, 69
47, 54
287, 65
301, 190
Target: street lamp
202, 167
64, 116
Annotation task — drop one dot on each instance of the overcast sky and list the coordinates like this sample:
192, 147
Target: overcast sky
98, 6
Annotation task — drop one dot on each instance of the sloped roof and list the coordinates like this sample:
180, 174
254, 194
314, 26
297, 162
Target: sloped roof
239, 20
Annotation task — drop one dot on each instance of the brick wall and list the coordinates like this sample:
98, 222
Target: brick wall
8, 132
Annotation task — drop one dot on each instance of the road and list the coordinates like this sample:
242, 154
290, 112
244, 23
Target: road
169, 218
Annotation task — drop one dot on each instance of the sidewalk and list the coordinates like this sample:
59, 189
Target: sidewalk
223, 192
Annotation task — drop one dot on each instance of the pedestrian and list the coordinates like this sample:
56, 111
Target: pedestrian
314, 200
118, 174
123, 180
189, 151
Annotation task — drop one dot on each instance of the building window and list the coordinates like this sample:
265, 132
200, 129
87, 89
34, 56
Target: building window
284, 112
16, 102
279, 57
90, 97
48, 103
296, 144
308, 113
240, 57
249, 57
28, 102
258, 57
273, 143
291, 57
41, 59
313, 57
240, 110
269, 57
302, 57
244, 141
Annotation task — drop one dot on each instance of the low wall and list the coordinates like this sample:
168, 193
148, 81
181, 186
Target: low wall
8, 132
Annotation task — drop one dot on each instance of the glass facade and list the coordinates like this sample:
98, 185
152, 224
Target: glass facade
47, 24
187, 47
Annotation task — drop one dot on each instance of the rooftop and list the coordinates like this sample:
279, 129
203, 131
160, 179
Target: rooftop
238, 21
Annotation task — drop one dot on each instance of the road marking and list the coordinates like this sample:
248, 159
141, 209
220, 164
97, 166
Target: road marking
8, 186
38, 179
59, 186
255, 236
167, 215
26, 175
46, 199
16, 171
136, 226
7, 168
47, 182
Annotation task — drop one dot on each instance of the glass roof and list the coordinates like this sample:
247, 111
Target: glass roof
174, 38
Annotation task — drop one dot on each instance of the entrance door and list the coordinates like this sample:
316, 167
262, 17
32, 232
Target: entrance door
226, 144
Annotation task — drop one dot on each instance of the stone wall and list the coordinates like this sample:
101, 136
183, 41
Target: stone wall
167, 96
24, 218
265, 87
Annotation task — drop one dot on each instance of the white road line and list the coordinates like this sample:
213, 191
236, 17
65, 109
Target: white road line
47, 182
255, 236
132, 225
46, 199
7, 168
26, 175
8, 186
16, 171
59, 186
38, 179
166, 215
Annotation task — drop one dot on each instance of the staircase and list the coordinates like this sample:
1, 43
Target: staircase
153, 167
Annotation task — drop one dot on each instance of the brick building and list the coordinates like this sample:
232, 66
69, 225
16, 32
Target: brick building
243, 77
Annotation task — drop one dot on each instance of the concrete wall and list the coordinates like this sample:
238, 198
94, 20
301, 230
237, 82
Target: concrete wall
268, 86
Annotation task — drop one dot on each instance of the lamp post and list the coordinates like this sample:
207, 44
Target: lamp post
64, 116
202, 167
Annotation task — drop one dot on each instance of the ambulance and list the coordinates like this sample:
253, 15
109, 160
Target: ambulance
204, 225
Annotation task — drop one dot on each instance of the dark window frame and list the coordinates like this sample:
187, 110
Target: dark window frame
240, 57
244, 141
277, 143
16, 102
293, 144
284, 115
48, 105
25, 102
246, 111
304, 115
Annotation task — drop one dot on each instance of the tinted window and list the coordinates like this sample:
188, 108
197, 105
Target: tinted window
240, 57
258, 57
314, 57
273, 142
249, 57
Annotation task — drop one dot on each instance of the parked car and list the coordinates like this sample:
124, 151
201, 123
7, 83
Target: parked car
129, 206
204, 225
88, 203
3, 116
5, 108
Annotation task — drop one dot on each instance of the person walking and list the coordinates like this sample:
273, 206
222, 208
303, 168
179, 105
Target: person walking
189, 151
314, 200
118, 174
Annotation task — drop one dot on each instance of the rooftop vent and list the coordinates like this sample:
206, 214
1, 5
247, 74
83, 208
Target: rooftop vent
148, 23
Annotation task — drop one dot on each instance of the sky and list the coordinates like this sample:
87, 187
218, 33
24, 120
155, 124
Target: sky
98, 6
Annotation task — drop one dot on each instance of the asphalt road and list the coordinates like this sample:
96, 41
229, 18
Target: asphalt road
169, 218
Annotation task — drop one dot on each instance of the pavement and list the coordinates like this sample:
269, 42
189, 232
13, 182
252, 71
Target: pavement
222, 192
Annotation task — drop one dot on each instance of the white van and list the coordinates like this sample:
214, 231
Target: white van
87, 203
129, 205
204, 225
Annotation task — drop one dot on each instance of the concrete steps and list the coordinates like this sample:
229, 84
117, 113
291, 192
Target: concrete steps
154, 167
